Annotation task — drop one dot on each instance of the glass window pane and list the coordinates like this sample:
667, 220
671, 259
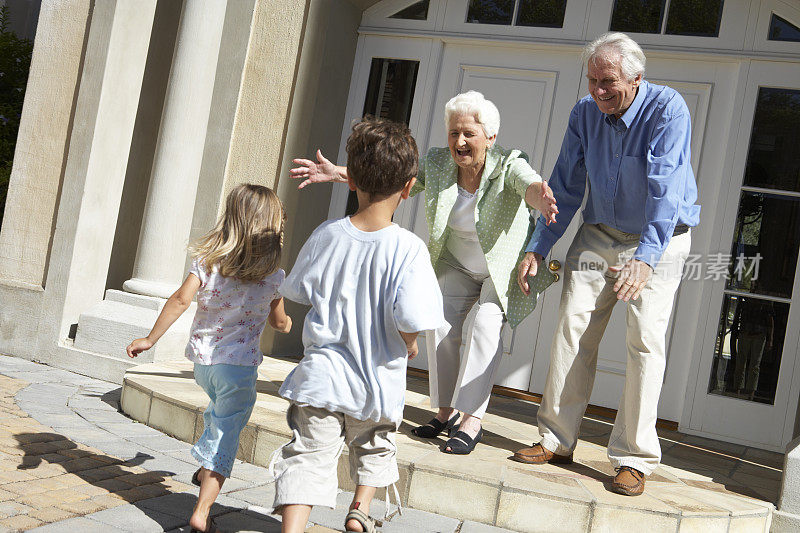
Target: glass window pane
390, 93
637, 16
765, 245
418, 11
547, 13
694, 17
773, 160
747, 355
390, 90
490, 11
783, 30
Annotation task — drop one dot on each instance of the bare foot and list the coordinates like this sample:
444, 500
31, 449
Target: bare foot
199, 521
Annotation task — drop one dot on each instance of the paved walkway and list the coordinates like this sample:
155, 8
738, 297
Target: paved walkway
70, 461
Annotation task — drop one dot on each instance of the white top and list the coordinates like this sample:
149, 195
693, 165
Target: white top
362, 287
462, 242
230, 316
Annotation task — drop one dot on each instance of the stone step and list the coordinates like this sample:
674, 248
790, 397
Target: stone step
110, 325
485, 486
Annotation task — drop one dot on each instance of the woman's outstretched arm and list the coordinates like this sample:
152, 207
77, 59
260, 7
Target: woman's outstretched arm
319, 171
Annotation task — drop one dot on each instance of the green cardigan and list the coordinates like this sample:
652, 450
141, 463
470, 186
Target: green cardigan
501, 217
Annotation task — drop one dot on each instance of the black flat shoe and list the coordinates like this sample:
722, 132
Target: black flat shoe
434, 427
461, 443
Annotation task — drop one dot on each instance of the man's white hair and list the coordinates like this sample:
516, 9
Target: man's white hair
624, 52
474, 104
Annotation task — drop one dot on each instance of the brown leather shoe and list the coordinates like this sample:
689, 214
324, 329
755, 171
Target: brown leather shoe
628, 481
539, 455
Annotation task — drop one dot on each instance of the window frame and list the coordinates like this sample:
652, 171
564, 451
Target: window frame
785, 10
379, 15
574, 20
732, 28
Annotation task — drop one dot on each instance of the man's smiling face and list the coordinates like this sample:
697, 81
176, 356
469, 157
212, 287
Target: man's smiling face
611, 90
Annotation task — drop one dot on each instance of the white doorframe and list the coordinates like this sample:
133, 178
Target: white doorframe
723, 417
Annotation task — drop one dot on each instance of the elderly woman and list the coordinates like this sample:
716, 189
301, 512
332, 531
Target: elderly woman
475, 202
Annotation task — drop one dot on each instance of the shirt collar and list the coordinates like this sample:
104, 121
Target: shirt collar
625, 121
636, 105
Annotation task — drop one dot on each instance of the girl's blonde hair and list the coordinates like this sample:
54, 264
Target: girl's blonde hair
247, 241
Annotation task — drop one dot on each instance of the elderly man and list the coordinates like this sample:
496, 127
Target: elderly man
630, 141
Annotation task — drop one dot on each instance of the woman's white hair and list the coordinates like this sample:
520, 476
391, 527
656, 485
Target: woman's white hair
625, 52
474, 104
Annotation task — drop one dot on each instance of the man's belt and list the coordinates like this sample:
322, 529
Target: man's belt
680, 229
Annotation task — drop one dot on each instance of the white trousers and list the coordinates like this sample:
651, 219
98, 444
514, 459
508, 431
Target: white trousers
462, 362
586, 304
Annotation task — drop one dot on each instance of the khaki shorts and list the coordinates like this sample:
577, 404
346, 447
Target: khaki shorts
305, 468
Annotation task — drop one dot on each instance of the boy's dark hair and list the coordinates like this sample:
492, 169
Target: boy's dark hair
381, 156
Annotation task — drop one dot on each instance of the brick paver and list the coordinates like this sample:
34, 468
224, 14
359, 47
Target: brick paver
70, 461
51, 478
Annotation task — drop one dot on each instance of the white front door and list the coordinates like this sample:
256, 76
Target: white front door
535, 87
747, 385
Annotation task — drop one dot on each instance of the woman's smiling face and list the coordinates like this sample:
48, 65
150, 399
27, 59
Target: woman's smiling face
467, 141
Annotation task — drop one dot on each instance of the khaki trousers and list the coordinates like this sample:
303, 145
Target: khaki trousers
587, 301
464, 357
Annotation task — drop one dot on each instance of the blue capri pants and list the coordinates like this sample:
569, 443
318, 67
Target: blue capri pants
232, 390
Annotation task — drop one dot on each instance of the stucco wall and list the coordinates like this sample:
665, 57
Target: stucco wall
266, 92
316, 119
42, 142
36, 178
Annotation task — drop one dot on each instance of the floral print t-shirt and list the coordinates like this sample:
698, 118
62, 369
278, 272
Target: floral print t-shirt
230, 316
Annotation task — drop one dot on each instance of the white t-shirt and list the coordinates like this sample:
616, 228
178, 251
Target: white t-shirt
462, 242
230, 316
362, 287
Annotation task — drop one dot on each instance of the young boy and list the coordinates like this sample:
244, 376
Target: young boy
371, 288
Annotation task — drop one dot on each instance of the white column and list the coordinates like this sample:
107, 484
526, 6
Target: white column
161, 255
107, 327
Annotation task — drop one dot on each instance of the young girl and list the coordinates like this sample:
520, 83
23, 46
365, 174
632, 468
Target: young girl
235, 275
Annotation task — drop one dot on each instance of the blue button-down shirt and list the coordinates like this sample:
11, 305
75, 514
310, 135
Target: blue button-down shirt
638, 168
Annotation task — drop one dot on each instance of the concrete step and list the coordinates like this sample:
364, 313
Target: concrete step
691, 491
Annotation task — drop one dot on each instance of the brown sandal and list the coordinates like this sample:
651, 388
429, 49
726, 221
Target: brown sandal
367, 523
